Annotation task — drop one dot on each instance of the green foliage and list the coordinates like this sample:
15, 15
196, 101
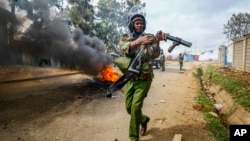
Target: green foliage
215, 124
217, 127
202, 99
233, 85
81, 13
237, 26
111, 21
107, 20
244, 99
199, 73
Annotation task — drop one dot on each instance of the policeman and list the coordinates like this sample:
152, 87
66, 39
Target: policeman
162, 60
181, 58
137, 88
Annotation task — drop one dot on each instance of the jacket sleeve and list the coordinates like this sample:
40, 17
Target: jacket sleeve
124, 46
124, 43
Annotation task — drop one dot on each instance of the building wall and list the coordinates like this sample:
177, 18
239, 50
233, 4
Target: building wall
247, 56
229, 55
221, 55
241, 54
189, 57
238, 55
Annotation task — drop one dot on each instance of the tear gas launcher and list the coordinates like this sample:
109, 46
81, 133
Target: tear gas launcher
135, 65
177, 41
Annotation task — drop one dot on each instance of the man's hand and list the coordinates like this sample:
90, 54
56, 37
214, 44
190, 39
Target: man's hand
146, 40
161, 36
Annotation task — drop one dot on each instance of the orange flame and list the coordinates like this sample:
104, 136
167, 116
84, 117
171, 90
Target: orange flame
109, 74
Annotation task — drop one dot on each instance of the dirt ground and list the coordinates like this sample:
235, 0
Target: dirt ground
53, 104
244, 76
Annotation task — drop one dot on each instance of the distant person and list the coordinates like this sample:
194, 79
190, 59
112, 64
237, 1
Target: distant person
162, 60
181, 58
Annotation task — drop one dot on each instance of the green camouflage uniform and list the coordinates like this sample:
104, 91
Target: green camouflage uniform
181, 58
137, 88
162, 59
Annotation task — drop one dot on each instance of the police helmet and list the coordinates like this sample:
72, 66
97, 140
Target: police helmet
137, 11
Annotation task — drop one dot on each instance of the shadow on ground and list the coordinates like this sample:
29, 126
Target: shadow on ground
188, 132
38, 103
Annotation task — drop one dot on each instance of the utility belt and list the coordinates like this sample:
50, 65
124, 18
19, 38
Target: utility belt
140, 77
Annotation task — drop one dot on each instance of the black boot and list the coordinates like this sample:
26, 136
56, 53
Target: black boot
144, 126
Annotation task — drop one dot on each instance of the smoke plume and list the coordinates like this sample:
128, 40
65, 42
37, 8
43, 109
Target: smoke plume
48, 36
4, 4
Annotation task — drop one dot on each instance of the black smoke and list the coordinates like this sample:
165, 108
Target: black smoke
4, 4
49, 37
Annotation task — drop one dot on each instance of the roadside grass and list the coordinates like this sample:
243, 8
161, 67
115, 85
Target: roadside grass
234, 86
214, 124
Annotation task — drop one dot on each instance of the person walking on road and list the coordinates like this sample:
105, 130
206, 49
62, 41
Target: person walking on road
181, 58
162, 60
136, 89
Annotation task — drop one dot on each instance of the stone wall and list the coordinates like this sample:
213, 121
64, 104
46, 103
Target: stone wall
241, 53
234, 113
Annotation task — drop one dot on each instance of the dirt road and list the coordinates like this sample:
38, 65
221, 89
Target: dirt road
51, 104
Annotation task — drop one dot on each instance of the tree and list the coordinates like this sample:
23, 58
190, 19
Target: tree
81, 13
237, 26
110, 22
112, 16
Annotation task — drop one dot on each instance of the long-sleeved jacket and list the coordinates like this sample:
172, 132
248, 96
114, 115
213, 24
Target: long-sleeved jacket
181, 57
149, 53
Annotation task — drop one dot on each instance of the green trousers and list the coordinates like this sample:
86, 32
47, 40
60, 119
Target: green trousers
162, 66
181, 65
135, 93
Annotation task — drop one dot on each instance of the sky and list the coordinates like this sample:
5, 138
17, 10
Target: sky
197, 21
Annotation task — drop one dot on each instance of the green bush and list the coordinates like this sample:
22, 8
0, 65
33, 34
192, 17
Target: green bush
215, 124
234, 86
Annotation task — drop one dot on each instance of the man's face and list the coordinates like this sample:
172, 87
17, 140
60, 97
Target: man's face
138, 26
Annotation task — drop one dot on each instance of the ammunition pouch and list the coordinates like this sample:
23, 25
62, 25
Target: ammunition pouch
123, 63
